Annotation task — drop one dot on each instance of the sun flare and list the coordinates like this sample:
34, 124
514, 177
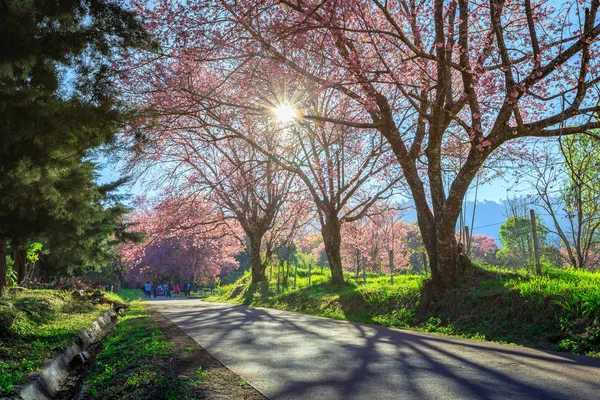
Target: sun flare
284, 113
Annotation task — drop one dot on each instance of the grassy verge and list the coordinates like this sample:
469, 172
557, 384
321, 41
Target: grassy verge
559, 310
34, 326
134, 360
148, 357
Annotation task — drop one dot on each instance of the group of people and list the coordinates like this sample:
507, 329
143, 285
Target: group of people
165, 289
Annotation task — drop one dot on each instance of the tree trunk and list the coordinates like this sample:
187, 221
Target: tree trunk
447, 266
2, 264
256, 264
332, 240
364, 264
20, 264
295, 274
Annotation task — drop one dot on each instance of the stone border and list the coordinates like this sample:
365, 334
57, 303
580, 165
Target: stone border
53, 373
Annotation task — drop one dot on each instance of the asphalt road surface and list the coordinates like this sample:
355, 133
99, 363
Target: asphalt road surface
286, 355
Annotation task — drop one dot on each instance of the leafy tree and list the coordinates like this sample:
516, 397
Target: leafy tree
567, 182
56, 103
516, 237
89, 239
581, 198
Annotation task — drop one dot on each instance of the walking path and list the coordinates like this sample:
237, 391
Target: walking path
287, 355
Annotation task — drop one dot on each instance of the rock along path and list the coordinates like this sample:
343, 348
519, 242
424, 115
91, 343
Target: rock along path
287, 355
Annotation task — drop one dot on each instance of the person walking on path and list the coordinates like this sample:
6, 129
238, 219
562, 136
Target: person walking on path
188, 289
154, 288
169, 288
176, 290
147, 289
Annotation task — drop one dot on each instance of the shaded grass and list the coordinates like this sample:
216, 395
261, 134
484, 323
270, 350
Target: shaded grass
34, 326
144, 358
559, 310
134, 361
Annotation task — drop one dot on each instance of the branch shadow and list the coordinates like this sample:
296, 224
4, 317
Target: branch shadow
287, 355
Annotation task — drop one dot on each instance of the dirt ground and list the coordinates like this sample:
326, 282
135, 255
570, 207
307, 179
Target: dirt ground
217, 382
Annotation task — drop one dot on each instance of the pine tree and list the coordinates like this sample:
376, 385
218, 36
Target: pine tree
56, 103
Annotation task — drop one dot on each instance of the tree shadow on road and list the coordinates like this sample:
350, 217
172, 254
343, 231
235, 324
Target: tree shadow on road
302, 356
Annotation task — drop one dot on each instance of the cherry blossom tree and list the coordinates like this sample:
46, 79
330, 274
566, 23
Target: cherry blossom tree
394, 236
181, 153
484, 248
374, 236
344, 171
444, 82
185, 238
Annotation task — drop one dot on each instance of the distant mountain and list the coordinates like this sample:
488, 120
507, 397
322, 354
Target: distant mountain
489, 215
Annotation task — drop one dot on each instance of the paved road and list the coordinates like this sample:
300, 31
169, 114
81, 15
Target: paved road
287, 355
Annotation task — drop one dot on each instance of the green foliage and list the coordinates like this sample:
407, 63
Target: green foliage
89, 241
57, 105
33, 252
582, 154
134, 359
11, 274
516, 237
197, 380
580, 199
130, 294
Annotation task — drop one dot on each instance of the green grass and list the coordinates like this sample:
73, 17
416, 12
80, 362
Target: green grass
34, 326
131, 294
559, 310
134, 360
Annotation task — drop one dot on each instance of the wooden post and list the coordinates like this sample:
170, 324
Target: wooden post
467, 241
3, 266
295, 274
278, 268
364, 263
271, 271
536, 245
392, 267
309, 272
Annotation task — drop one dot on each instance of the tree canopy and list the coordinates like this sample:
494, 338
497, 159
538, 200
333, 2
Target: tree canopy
452, 86
57, 104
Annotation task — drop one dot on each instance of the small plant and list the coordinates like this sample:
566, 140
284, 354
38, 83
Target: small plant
197, 380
